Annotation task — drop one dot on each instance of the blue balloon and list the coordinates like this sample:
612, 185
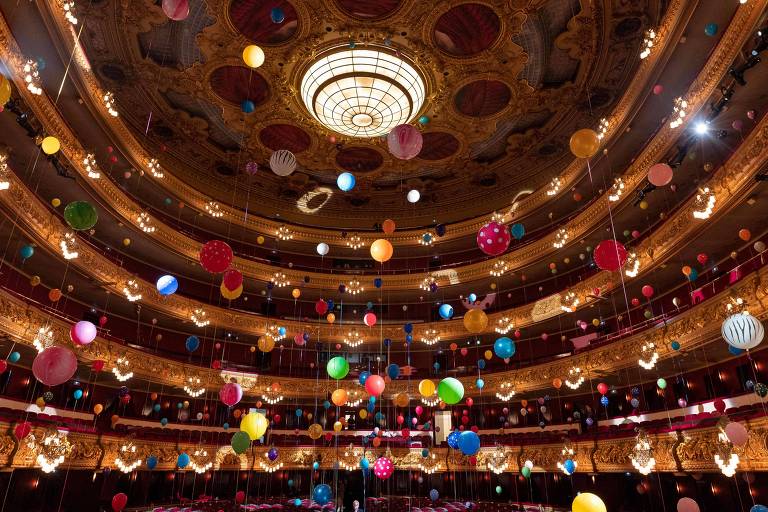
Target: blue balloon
290, 482
370, 407
315, 465
369, 305
440, 230
604, 401
179, 405
363, 377
472, 298
183, 460
504, 347
346, 181
14, 357
372, 399
330, 304
393, 371
156, 407
365, 463
167, 285
248, 106
634, 403
424, 452
387, 342
436, 366
298, 413
225, 426
735, 351
377, 282
322, 494
480, 383
433, 494
78, 394
453, 439
379, 416
694, 275
569, 466
408, 328
297, 502
759, 508
675, 345
326, 404
408, 338
282, 331
26, 252
481, 363
192, 343
711, 29
446, 311
151, 462
277, 15
164, 421
518, 231
469, 442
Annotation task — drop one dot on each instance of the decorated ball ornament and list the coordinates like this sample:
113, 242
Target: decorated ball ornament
404, 142
584, 143
282, 162
660, 175
588, 502
383, 468
475, 320
80, 215
381, 250
253, 56
215, 256
610, 255
493, 238
742, 331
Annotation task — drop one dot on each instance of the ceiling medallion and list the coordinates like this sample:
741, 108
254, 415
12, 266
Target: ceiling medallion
362, 92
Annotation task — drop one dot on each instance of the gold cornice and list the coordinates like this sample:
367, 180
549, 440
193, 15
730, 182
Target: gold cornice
668, 30
690, 450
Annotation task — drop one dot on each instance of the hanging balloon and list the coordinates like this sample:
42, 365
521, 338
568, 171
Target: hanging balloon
119, 501
215, 256
660, 175
240, 442
322, 494
339, 397
450, 390
401, 400
742, 331
383, 468
337, 368
254, 424
404, 142
230, 394
230, 294
413, 196
253, 56
176, 10
610, 255
345, 181
469, 443
277, 15
388, 226
80, 215
446, 311
475, 320
5, 90
736, 433
167, 285
321, 307
381, 250
426, 388
266, 343
322, 248
82, 333
504, 347
518, 231
588, 502
192, 343
584, 143
369, 319
315, 431
54, 365
685, 505
282, 162
493, 238
393, 371
374, 385
50, 145
232, 279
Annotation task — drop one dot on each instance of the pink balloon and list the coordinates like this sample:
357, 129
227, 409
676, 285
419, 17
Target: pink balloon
374, 385
736, 433
660, 175
177, 10
230, 394
647, 291
82, 333
419, 410
54, 365
369, 319
404, 141
658, 89
493, 238
383, 467
610, 255
738, 124
119, 501
687, 505
299, 339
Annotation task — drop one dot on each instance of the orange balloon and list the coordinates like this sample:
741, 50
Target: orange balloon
453, 346
339, 397
153, 396
557, 383
376, 441
237, 413
54, 294
584, 143
381, 250
330, 318
114, 418
524, 403
686, 270
744, 234
98, 408
388, 226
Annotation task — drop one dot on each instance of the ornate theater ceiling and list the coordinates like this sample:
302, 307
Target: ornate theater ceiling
505, 85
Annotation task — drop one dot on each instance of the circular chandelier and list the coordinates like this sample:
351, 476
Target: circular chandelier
362, 92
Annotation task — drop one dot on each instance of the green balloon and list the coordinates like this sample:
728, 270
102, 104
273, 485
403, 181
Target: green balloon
80, 215
338, 368
450, 390
498, 489
526, 471
661, 383
240, 442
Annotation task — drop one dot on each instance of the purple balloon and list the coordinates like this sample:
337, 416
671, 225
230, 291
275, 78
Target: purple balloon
272, 454
54, 365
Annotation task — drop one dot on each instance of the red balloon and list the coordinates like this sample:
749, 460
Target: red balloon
493, 238
216, 256
176, 10
602, 388
406, 433
610, 255
702, 258
119, 501
3, 365
232, 279
404, 141
230, 394
719, 405
635, 301
240, 496
470, 402
22, 430
97, 365
400, 419
369, 319
660, 175
54, 365
647, 291
374, 385
102, 321
276, 418
321, 307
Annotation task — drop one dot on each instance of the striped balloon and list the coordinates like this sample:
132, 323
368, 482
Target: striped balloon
282, 162
742, 331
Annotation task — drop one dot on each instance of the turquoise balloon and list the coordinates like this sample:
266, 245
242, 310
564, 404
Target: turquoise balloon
346, 181
26, 252
78, 394
14, 357
446, 311
183, 460
661, 383
518, 231
337, 368
450, 390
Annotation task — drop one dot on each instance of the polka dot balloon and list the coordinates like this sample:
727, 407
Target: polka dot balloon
493, 238
383, 468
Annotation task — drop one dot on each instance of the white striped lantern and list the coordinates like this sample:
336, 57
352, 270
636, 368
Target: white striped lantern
282, 162
742, 331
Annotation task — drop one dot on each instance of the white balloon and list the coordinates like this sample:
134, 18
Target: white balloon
742, 331
322, 248
414, 196
529, 464
282, 162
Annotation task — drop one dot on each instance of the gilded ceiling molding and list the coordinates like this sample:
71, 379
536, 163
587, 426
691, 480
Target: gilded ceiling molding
691, 450
668, 31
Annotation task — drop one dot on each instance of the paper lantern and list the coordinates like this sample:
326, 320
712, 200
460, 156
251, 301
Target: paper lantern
660, 175
383, 468
475, 320
176, 10
374, 385
82, 333
610, 255
504, 347
450, 390
345, 181
584, 143
742, 331
339, 397
282, 162
54, 365
381, 250
254, 424
266, 343
493, 238
388, 226
230, 394
404, 141
167, 285
215, 256
50, 145
80, 215
253, 56
337, 368
588, 502
426, 388
686, 505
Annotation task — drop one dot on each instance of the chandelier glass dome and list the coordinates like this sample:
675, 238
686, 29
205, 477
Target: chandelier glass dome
362, 92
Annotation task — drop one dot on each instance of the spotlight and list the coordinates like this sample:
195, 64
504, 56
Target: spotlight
701, 128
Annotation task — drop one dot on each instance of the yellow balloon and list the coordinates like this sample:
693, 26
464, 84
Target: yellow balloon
296, 293
363, 414
595, 322
253, 56
126, 242
315, 431
584, 143
337, 426
98, 408
186, 404
266, 343
260, 239
488, 355
40, 403
50, 145
401, 399
426, 388
5, 90
381, 250
588, 502
56, 202
475, 320
231, 295
330, 318
34, 280
254, 424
